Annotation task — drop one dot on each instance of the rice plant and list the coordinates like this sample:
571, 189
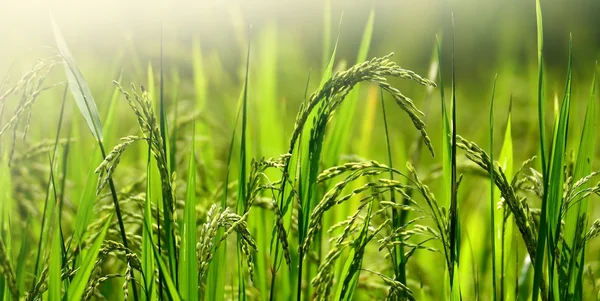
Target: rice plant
153, 191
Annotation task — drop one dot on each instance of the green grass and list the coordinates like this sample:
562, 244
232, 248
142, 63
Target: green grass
370, 187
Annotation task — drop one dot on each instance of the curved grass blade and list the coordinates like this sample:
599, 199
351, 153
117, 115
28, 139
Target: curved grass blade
87, 107
541, 240
79, 88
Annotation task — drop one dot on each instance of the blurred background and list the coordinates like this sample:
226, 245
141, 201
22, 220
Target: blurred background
491, 37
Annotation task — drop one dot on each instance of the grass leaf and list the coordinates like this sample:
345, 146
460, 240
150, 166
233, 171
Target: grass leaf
147, 253
492, 199
79, 87
541, 240
55, 265
583, 167
188, 280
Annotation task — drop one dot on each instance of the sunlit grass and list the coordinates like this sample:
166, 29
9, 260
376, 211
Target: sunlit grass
157, 195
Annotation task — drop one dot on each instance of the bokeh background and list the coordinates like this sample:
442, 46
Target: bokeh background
491, 37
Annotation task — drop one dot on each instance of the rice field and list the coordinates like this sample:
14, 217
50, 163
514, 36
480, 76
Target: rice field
343, 168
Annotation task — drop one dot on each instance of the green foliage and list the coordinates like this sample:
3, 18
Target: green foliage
311, 213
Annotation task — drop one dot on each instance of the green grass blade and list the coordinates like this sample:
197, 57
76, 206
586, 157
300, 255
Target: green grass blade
50, 200
583, 167
87, 107
241, 199
79, 88
86, 205
164, 127
541, 240
504, 227
492, 190
326, 33
55, 265
24, 252
446, 150
454, 236
351, 271
5, 209
342, 127
164, 270
216, 276
446, 153
147, 253
400, 265
200, 80
169, 223
328, 72
310, 157
188, 280
556, 180
79, 283
110, 125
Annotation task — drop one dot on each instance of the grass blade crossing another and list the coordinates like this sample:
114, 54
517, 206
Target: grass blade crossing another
583, 167
87, 107
79, 283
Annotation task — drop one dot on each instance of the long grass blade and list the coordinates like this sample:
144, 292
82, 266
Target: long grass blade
492, 199
87, 107
541, 239
79, 88
309, 165
583, 167
400, 260
454, 236
55, 265
188, 280
241, 199
148, 267
504, 221
556, 180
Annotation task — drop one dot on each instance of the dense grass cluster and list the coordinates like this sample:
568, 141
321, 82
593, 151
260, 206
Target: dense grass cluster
152, 213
